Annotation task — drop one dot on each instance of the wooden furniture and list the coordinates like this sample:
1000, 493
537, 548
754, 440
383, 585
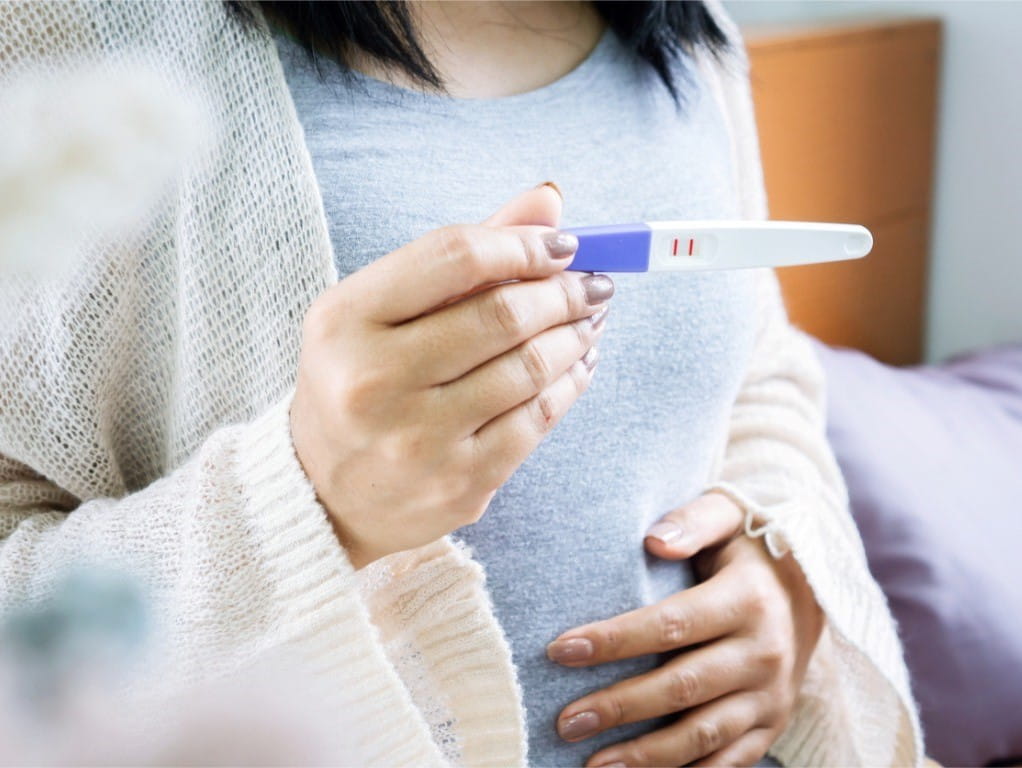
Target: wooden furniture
847, 117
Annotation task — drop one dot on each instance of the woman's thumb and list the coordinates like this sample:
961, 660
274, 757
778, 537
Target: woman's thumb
540, 206
709, 521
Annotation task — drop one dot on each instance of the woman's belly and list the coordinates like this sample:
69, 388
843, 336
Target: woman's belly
562, 540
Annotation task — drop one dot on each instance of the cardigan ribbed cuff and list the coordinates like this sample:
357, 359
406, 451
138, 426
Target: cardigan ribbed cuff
435, 594
862, 631
319, 612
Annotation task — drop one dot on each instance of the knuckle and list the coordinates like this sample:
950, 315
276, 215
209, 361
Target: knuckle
583, 334
544, 412
779, 715
458, 487
733, 612
457, 245
706, 735
682, 687
757, 599
360, 394
452, 494
609, 640
674, 624
772, 655
318, 319
533, 253
578, 378
614, 708
537, 369
571, 292
640, 755
407, 445
507, 313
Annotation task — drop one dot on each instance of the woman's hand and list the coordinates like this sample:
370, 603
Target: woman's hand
746, 634
422, 385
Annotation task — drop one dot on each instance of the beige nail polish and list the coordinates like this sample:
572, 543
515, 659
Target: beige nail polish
572, 649
666, 531
579, 726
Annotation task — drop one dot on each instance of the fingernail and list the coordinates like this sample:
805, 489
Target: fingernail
597, 319
618, 764
589, 361
552, 186
560, 245
579, 726
666, 531
573, 649
598, 288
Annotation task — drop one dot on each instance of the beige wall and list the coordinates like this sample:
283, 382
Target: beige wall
976, 261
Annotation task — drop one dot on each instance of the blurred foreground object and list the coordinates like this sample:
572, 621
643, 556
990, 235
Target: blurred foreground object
847, 124
84, 153
67, 666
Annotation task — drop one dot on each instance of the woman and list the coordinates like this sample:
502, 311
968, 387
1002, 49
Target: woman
428, 379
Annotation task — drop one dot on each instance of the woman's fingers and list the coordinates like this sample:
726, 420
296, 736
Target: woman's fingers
686, 681
746, 751
452, 341
701, 732
540, 205
704, 612
450, 262
709, 521
506, 441
510, 379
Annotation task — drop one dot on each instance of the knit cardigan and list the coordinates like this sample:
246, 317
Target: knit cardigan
144, 419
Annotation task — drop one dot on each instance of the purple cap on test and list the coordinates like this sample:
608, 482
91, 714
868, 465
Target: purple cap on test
612, 248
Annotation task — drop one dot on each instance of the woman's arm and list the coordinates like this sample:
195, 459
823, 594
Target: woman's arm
240, 562
240, 546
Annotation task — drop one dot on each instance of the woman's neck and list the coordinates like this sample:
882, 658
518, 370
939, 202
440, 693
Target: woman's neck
486, 50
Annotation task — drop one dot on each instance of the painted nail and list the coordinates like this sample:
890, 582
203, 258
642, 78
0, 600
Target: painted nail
552, 186
579, 726
560, 245
598, 288
596, 320
589, 360
573, 649
666, 531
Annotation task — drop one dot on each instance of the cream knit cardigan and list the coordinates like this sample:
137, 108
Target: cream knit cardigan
143, 419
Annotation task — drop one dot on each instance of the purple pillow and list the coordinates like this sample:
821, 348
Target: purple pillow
933, 461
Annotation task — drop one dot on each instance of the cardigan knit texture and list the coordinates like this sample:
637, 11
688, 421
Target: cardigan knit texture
144, 420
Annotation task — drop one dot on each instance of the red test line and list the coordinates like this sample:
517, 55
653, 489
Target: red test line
674, 248
691, 245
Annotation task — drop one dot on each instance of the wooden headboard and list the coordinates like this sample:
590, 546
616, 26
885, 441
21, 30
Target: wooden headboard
847, 117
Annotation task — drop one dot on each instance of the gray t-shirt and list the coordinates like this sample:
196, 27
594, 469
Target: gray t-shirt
562, 540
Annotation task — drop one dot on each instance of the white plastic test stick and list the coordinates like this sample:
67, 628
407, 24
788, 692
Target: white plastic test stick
670, 246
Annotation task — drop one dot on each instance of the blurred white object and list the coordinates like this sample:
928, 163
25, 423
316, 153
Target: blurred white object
69, 668
83, 155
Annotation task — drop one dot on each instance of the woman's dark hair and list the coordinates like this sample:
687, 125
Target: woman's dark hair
658, 31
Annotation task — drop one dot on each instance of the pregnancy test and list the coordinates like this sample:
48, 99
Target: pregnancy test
678, 246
